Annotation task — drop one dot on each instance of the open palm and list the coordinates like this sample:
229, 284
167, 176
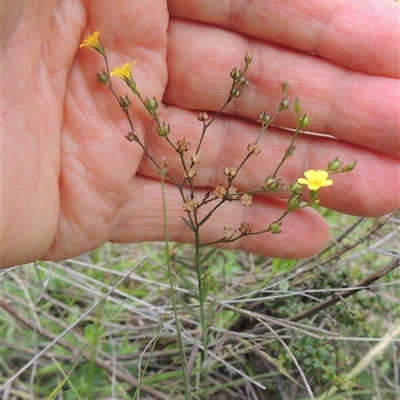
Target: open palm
70, 179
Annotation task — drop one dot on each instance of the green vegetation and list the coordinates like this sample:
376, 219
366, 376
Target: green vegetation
106, 322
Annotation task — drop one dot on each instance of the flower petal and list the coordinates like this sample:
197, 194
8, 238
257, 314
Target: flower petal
315, 179
124, 72
320, 175
310, 174
92, 40
327, 182
302, 181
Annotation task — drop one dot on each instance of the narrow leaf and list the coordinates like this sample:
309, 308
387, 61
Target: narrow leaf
208, 255
188, 224
182, 262
187, 308
209, 314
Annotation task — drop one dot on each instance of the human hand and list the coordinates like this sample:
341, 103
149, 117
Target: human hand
71, 181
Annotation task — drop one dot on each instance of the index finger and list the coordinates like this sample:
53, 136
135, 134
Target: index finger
360, 35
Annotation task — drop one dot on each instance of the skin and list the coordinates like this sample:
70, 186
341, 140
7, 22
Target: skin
71, 181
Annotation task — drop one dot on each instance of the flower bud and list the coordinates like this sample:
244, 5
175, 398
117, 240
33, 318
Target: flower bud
151, 105
285, 85
102, 77
230, 172
248, 59
297, 107
295, 188
349, 167
203, 116
244, 82
131, 136
284, 104
196, 159
265, 118
289, 151
236, 74
163, 168
254, 149
271, 183
334, 165
236, 92
163, 130
305, 120
293, 202
275, 228
124, 102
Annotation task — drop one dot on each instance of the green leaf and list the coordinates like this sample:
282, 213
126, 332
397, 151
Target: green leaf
225, 318
209, 314
318, 364
284, 286
206, 286
187, 308
182, 262
188, 224
283, 265
189, 285
309, 349
208, 255
205, 219
308, 361
56, 391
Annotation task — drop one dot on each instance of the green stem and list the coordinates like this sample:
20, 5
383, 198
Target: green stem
182, 355
202, 300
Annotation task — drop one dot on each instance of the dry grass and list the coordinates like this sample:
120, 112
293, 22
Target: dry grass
102, 325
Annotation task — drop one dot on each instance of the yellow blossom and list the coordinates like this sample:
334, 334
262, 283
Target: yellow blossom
93, 41
315, 179
124, 72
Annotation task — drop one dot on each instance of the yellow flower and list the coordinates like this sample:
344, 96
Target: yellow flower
315, 179
124, 72
93, 41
